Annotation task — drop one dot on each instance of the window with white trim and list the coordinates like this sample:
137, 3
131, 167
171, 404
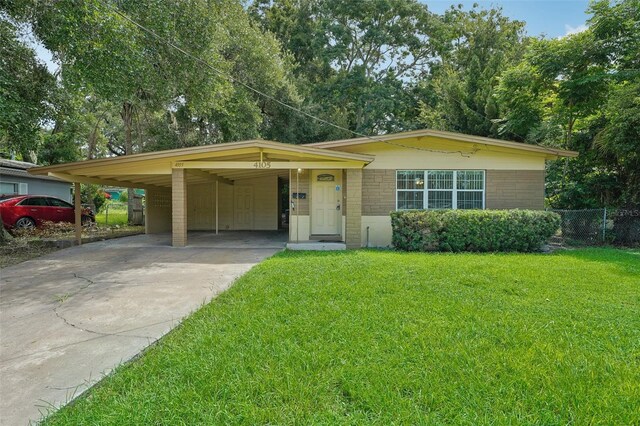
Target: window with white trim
439, 189
13, 188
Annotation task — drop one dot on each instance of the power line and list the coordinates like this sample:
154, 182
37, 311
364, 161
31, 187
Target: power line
261, 93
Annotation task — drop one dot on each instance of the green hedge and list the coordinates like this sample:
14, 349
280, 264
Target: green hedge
472, 230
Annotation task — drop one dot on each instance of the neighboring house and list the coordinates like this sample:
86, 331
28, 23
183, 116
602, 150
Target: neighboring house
15, 180
338, 191
114, 193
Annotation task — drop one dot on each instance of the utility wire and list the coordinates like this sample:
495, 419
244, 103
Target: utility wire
261, 93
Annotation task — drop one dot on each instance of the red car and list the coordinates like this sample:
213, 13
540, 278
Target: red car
28, 211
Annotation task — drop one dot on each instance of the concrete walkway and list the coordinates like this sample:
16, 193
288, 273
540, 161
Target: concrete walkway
68, 318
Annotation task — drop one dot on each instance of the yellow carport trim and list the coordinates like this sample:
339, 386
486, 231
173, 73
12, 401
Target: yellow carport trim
99, 181
266, 165
194, 153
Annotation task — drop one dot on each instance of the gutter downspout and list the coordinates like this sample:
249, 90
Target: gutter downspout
78, 212
297, 205
217, 203
367, 245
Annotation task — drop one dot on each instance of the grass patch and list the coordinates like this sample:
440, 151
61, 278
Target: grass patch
369, 337
12, 253
113, 214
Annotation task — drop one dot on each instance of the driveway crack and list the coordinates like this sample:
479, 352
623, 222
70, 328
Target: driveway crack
99, 333
62, 300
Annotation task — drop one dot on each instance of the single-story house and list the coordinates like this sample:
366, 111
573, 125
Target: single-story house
340, 190
16, 180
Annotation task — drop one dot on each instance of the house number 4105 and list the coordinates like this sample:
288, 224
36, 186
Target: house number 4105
262, 164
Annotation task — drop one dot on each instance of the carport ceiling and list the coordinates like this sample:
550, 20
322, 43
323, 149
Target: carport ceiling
223, 162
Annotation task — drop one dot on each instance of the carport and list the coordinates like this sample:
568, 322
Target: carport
235, 186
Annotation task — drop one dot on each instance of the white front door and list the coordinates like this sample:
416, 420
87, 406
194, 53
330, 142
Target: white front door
326, 202
243, 207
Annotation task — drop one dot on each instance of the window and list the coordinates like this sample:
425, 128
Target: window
34, 201
13, 188
58, 203
440, 189
410, 189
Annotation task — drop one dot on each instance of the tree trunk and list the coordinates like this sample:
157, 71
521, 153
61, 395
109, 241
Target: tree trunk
93, 137
567, 145
127, 119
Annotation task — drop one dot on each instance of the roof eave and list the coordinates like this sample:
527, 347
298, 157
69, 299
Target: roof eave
556, 153
158, 155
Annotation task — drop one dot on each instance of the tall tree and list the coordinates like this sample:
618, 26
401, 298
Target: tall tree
104, 54
616, 30
474, 49
26, 91
99, 50
580, 92
355, 60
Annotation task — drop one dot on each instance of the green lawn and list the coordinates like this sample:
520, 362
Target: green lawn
371, 337
114, 214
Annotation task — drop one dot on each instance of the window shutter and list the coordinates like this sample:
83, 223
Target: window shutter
23, 189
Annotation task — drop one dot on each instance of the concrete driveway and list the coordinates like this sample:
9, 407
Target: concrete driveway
68, 318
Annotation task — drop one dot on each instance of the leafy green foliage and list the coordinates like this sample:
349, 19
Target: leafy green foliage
626, 226
377, 338
26, 88
472, 230
94, 195
356, 61
580, 93
476, 48
163, 98
619, 140
370, 67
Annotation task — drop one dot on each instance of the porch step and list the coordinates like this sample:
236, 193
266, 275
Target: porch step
317, 245
325, 238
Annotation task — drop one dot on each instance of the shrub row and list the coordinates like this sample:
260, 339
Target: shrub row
472, 230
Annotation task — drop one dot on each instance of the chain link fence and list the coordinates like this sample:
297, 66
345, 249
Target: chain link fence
599, 226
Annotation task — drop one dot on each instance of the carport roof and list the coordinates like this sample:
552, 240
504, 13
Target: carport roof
154, 168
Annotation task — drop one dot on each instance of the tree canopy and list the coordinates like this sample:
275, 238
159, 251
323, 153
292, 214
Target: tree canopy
125, 83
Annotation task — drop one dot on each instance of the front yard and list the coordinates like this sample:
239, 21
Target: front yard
370, 337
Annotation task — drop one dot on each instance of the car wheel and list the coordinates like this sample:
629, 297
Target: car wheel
25, 223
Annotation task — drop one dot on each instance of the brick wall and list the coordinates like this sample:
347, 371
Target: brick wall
179, 207
505, 189
301, 185
353, 221
344, 192
511, 189
378, 192
158, 210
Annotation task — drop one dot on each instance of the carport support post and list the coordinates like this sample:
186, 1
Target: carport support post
77, 204
353, 237
217, 201
179, 207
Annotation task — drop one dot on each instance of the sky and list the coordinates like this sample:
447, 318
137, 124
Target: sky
551, 18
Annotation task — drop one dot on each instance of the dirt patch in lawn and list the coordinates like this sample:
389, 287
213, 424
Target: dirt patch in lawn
30, 244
